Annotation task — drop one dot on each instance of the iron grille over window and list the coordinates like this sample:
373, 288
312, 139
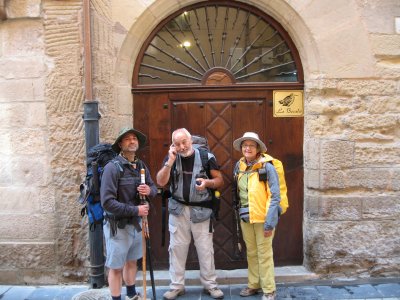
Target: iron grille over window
220, 36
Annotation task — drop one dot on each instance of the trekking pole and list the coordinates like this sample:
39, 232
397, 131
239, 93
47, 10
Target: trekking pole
153, 287
145, 228
146, 246
235, 206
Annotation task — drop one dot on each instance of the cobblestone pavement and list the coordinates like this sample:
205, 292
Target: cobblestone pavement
382, 290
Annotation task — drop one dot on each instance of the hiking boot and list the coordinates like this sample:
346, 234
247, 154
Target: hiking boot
215, 293
173, 294
269, 296
135, 297
246, 292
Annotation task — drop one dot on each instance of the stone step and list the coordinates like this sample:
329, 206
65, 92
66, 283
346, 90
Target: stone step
287, 274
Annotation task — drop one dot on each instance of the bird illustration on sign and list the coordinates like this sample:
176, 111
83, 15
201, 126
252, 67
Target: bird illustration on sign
288, 100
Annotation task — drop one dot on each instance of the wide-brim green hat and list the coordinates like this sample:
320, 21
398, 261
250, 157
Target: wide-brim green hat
140, 136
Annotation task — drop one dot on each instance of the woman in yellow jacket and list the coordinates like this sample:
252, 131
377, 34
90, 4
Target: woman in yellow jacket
259, 212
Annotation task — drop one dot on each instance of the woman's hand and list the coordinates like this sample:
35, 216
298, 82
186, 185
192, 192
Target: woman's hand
268, 233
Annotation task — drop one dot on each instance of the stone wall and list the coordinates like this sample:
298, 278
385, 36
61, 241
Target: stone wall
352, 156
42, 142
350, 52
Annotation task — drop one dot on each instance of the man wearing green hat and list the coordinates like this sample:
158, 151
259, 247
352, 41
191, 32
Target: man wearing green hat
119, 193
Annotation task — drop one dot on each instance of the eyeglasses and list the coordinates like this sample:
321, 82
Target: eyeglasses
250, 146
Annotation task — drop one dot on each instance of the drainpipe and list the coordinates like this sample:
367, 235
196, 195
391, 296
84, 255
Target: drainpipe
91, 118
3, 14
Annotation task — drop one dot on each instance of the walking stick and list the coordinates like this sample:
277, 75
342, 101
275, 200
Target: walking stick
144, 235
146, 244
235, 207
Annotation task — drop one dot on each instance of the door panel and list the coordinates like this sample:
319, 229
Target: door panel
223, 117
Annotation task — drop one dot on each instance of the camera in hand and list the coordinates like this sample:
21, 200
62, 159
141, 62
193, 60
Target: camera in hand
200, 175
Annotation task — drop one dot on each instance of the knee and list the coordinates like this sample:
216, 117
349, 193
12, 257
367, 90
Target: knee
130, 265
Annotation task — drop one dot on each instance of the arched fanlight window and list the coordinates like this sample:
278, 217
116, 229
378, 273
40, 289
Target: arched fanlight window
224, 38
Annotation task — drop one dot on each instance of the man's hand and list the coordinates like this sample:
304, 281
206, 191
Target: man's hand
143, 210
144, 189
172, 153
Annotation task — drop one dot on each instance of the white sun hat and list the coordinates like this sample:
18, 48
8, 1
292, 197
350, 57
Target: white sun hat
252, 136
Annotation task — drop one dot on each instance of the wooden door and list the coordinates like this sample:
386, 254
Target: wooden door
223, 117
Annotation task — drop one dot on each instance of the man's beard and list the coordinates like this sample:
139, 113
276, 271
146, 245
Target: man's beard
130, 149
186, 153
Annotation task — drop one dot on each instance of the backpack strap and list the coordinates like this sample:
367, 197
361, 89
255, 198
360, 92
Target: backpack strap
204, 160
119, 166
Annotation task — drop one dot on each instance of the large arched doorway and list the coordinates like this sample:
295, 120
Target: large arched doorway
213, 68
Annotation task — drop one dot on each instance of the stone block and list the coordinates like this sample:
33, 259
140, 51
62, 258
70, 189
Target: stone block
383, 104
127, 12
125, 100
360, 178
373, 154
385, 9
27, 255
6, 178
351, 239
312, 154
23, 38
66, 178
386, 267
336, 154
323, 126
332, 179
329, 47
22, 67
340, 208
381, 207
17, 115
23, 172
367, 123
343, 266
5, 138
40, 276
27, 227
386, 44
22, 90
124, 121
23, 9
46, 198
311, 206
9, 277
395, 183
21, 200
332, 105
29, 142
312, 179
366, 88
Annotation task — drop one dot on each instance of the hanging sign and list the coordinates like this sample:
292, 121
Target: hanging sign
288, 103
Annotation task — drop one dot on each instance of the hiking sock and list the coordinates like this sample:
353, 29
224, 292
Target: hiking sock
130, 291
116, 297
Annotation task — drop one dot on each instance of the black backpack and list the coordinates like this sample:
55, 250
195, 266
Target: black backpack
201, 144
98, 156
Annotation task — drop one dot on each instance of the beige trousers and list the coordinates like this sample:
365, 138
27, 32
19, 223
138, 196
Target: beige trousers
181, 230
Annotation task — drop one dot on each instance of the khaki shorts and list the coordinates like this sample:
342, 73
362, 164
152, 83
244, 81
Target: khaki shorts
125, 246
